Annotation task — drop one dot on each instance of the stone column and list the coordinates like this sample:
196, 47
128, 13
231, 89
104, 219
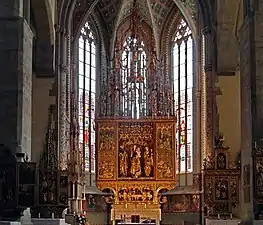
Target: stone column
63, 104
246, 116
251, 66
209, 98
256, 68
197, 154
16, 77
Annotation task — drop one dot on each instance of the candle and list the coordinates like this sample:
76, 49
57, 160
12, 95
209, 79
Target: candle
81, 209
145, 206
73, 190
218, 216
53, 216
126, 206
84, 191
38, 215
231, 216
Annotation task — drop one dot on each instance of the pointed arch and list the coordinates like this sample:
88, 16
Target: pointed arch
182, 73
87, 71
187, 17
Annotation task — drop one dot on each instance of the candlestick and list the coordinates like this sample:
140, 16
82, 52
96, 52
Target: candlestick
231, 216
218, 216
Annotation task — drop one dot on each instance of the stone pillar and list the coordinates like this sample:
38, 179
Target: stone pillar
209, 97
64, 119
246, 203
197, 154
16, 77
251, 66
256, 68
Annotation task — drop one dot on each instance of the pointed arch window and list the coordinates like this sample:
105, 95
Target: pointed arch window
182, 71
86, 94
133, 79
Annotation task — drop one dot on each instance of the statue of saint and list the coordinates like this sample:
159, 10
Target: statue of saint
123, 162
136, 162
259, 177
148, 161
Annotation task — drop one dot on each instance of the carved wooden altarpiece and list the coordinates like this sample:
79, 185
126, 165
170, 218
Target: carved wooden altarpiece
17, 184
221, 182
136, 159
258, 172
52, 184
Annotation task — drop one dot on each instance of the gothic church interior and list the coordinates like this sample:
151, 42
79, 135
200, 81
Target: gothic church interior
132, 110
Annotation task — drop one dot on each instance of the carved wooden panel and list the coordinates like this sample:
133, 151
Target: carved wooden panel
221, 183
136, 155
246, 180
135, 161
258, 172
136, 192
258, 180
26, 184
181, 203
165, 150
106, 150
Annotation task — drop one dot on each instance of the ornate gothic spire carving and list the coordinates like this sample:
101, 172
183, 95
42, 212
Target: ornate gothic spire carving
48, 159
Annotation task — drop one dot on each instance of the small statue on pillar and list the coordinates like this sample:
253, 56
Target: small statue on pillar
219, 141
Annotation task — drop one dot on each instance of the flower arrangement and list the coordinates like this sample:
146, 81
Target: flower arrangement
81, 219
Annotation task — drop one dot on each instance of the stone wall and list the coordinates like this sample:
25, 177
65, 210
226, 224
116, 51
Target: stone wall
41, 102
177, 218
15, 87
228, 104
25, 90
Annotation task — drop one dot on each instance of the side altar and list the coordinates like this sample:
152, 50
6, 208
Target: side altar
136, 162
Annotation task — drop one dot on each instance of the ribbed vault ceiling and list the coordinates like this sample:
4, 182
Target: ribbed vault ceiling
154, 12
114, 12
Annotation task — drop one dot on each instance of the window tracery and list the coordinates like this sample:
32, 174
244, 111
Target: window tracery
133, 79
182, 73
87, 94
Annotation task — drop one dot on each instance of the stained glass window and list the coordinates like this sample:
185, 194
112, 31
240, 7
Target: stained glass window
86, 95
133, 79
182, 72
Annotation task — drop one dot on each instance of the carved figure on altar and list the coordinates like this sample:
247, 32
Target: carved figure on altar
154, 100
136, 170
91, 202
123, 162
208, 162
103, 104
221, 161
222, 190
259, 176
106, 170
164, 171
195, 202
148, 161
117, 95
